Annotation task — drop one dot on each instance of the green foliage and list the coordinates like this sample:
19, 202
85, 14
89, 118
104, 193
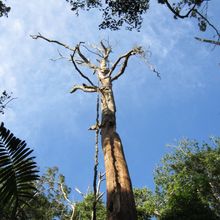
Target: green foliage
53, 201
187, 188
189, 8
18, 171
145, 204
118, 13
50, 203
4, 9
115, 13
188, 182
84, 209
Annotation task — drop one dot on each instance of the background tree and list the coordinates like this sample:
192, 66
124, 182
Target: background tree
130, 13
115, 13
17, 173
5, 98
53, 200
188, 182
85, 208
4, 9
145, 203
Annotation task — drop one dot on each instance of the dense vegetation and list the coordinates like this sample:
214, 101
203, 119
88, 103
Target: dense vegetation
130, 13
187, 186
4, 9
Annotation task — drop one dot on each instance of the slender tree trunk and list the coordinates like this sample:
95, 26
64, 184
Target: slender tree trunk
120, 199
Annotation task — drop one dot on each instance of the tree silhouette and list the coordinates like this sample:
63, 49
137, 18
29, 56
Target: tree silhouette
18, 171
4, 9
5, 98
129, 13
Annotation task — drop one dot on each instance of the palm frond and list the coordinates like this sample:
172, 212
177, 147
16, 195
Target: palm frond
18, 171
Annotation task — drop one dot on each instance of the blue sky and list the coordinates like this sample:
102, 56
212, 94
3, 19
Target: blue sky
150, 112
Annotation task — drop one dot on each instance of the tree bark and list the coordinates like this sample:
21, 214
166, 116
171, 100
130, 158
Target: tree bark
120, 199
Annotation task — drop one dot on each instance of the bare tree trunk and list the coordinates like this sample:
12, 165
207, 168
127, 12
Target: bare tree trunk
120, 199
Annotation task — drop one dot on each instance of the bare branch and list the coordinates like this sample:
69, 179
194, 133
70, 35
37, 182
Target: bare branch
106, 50
5, 99
193, 9
10, 101
137, 50
86, 61
68, 201
77, 190
97, 54
99, 51
100, 196
80, 62
208, 22
84, 88
176, 13
101, 179
64, 193
52, 41
79, 71
126, 57
103, 46
208, 41
60, 57
152, 68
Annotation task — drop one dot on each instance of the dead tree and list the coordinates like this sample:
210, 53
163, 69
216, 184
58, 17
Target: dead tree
120, 198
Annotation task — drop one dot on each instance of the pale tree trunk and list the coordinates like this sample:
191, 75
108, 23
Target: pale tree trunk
120, 199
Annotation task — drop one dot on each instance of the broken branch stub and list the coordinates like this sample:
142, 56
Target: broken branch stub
84, 88
35, 37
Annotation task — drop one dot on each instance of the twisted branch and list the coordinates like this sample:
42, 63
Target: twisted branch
84, 59
208, 41
126, 57
176, 13
84, 88
193, 9
208, 22
79, 71
73, 205
52, 41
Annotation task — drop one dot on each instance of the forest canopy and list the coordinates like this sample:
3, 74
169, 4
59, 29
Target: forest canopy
130, 13
4, 9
